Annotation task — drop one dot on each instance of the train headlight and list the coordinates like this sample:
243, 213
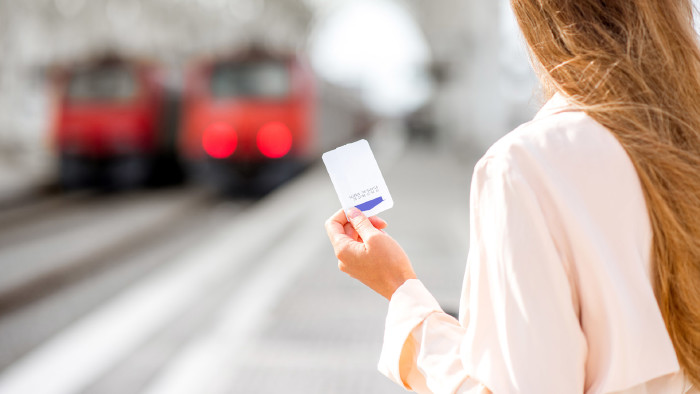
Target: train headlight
219, 140
274, 140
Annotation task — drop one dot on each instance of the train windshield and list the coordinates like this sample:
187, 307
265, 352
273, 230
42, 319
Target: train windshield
262, 79
104, 83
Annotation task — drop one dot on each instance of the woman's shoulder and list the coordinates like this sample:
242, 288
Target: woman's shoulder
560, 138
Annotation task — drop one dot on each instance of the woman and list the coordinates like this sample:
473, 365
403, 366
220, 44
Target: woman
584, 267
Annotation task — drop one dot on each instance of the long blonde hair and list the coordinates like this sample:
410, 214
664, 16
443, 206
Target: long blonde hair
634, 67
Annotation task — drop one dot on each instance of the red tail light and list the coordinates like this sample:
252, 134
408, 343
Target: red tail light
219, 140
274, 140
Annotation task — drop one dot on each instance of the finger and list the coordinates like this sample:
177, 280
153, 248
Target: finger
340, 217
350, 232
378, 222
346, 248
334, 224
343, 244
361, 224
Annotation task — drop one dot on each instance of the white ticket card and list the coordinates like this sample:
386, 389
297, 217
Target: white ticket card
357, 179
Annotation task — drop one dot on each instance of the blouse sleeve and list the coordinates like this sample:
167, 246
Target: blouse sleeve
519, 329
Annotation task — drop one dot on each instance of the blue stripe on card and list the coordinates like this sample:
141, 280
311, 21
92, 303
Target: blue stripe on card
366, 206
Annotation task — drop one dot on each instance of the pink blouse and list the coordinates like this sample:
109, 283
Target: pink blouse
557, 296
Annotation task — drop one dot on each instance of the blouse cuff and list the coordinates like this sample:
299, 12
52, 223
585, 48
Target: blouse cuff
410, 304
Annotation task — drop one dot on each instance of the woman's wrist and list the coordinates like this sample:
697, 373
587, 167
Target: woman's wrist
397, 285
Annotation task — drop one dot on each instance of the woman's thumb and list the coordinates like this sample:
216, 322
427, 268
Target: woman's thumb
361, 223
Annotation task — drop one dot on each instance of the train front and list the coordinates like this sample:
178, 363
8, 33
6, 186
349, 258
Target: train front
108, 124
248, 121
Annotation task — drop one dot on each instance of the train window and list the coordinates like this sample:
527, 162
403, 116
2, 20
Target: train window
263, 79
103, 83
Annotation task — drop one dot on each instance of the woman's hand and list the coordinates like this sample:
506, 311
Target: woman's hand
368, 254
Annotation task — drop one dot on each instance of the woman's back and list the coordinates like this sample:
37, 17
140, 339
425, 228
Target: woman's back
588, 192
634, 67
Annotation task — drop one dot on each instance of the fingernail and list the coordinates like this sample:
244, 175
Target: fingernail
353, 213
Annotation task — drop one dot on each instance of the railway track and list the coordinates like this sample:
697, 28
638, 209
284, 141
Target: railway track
39, 256
85, 249
38, 208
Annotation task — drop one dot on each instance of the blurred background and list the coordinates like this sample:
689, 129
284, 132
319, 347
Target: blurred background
162, 197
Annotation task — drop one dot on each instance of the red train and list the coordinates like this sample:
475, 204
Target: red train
248, 120
111, 125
